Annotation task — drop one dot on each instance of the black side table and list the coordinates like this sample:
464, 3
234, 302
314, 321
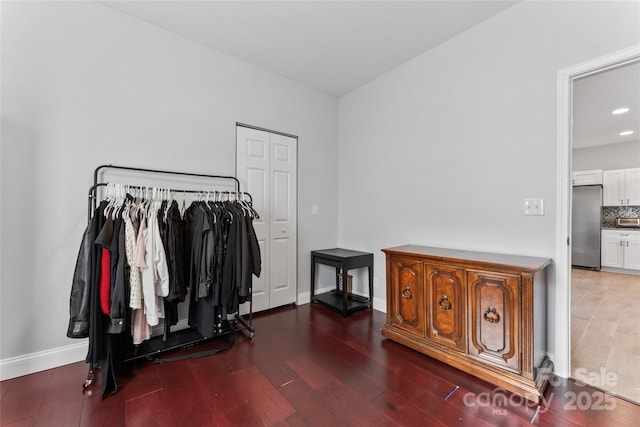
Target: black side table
343, 260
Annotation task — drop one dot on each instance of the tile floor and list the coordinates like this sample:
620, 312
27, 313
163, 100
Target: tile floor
605, 331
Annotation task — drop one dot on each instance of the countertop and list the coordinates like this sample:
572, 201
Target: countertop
621, 228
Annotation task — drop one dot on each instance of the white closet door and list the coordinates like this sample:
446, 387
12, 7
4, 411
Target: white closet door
266, 168
282, 248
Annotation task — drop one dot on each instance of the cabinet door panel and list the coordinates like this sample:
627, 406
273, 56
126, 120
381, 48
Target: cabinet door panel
632, 186
590, 177
494, 301
613, 187
408, 296
632, 253
612, 250
446, 313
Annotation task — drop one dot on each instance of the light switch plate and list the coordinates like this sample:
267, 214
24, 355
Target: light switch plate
532, 207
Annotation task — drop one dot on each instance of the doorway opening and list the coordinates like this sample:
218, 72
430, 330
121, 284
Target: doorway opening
566, 278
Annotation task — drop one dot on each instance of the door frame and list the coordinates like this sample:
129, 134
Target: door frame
562, 295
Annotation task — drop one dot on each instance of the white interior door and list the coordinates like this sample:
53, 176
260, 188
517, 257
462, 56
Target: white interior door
266, 167
282, 246
252, 170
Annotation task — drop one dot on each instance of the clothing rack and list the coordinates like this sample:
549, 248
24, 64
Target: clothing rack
92, 197
184, 338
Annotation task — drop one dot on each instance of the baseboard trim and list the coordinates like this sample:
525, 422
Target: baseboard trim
379, 304
42, 360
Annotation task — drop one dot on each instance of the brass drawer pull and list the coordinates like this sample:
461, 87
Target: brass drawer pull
444, 303
491, 316
406, 293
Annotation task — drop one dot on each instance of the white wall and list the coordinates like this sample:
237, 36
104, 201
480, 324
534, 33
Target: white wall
611, 156
442, 150
84, 85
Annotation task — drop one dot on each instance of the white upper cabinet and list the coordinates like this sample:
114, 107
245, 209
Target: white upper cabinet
621, 187
632, 186
591, 177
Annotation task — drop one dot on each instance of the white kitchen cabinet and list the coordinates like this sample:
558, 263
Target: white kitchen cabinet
620, 249
590, 177
632, 186
621, 187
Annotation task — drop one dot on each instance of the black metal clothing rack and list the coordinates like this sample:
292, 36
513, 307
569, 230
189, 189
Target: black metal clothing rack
92, 191
149, 349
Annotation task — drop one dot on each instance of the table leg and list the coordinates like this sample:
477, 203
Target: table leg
313, 279
345, 283
371, 285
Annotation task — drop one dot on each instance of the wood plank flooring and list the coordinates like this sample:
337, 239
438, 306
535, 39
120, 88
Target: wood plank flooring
306, 366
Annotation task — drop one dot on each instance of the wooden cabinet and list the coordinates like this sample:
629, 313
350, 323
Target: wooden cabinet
590, 177
480, 312
621, 187
620, 249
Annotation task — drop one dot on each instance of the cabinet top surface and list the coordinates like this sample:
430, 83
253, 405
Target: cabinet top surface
339, 253
443, 254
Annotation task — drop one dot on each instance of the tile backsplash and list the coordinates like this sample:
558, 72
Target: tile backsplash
610, 213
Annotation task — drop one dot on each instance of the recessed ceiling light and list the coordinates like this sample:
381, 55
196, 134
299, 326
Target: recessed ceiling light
626, 132
620, 110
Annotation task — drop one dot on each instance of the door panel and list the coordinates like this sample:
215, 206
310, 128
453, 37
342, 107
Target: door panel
252, 170
280, 279
494, 301
446, 313
632, 253
257, 185
266, 165
408, 296
612, 250
632, 186
281, 197
283, 202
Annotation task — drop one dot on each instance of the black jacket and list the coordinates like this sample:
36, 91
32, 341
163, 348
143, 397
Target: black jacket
79, 303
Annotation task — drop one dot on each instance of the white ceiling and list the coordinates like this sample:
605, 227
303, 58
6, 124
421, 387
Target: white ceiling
596, 96
334, 46
338, 46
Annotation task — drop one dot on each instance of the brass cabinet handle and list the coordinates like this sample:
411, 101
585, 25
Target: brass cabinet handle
406, 293
491, 316
444, 303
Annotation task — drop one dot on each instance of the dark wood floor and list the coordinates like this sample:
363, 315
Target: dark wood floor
306, 366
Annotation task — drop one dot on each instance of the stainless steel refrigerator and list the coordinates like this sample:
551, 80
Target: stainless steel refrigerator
585, 226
